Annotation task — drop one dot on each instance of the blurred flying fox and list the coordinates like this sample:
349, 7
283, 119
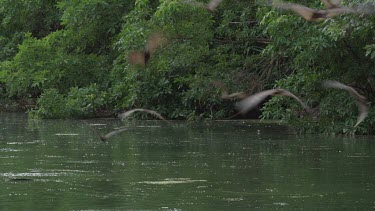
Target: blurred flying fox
108, 135
332, 4
360, 100
252, 101
211, 6
126, 114
122, 116
142, 57
333, 9
225, 94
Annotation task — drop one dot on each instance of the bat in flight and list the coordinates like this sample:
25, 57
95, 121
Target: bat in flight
330, 4
211, 6
126, 114
255, 99
360, 100
143, 57
310, 14
225, 94
104, 138
123, 116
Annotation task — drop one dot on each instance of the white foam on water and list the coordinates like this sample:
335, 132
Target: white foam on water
172, 181
66, 134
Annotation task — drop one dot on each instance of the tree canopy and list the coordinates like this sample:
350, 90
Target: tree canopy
70, 59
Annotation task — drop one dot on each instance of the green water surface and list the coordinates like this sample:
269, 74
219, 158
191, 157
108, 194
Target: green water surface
222, 165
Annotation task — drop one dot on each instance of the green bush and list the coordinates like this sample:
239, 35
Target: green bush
51, 104
85, 102
78, 103
39, 65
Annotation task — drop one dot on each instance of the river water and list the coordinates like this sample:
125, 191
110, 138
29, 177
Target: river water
221, 165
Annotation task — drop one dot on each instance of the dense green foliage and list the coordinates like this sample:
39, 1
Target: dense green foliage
70, 58
339, 49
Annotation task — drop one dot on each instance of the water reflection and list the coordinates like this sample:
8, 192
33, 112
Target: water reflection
61, 164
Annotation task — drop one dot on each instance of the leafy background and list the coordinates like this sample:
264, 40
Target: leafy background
68, 59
